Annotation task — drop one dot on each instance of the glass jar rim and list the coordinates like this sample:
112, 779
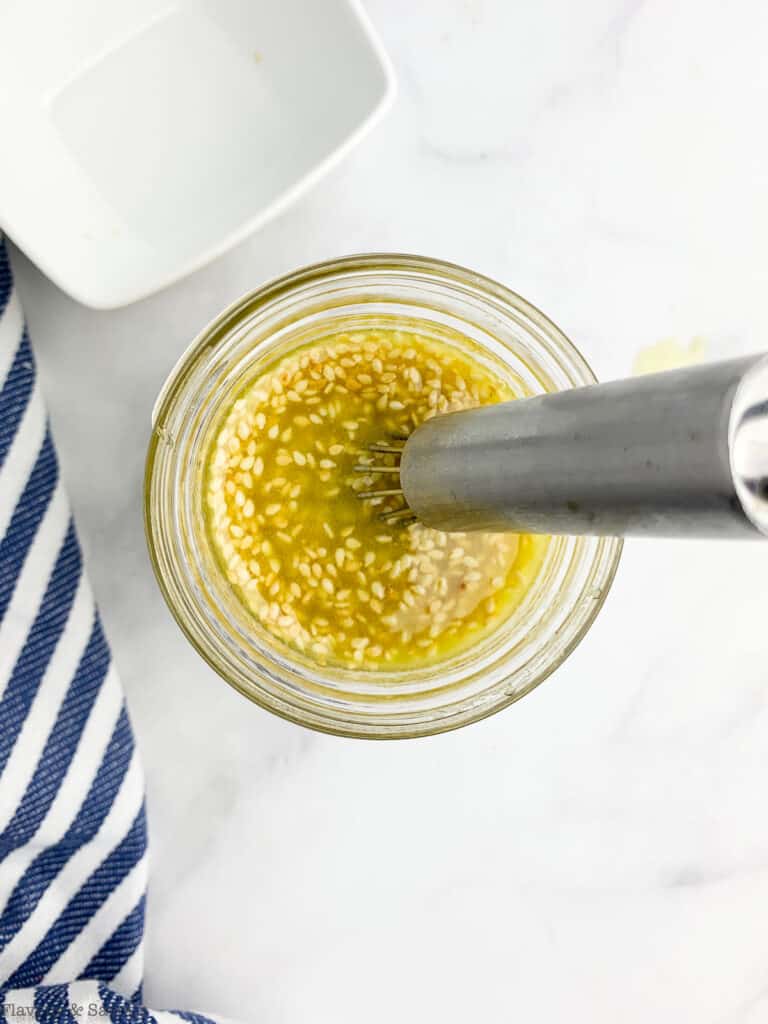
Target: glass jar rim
281, 286
601, 563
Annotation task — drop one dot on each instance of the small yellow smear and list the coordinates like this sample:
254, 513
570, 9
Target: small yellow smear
668, 354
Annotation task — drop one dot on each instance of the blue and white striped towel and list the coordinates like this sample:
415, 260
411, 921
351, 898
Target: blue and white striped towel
73, 837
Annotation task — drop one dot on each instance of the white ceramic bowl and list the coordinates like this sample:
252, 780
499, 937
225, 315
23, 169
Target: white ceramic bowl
142, 139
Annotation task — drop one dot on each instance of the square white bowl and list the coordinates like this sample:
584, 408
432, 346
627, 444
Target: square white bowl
142, 138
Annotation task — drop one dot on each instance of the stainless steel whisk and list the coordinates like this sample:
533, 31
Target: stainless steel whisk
679, 453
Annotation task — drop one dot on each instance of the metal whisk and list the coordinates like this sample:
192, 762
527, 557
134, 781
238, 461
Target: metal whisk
394, 445
680, 453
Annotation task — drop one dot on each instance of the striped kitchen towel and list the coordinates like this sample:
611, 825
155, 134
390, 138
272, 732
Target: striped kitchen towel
73, 836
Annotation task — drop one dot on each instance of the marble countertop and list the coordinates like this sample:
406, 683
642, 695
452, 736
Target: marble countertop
599, 851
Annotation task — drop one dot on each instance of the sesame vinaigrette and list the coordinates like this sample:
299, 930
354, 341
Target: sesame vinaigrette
312, 562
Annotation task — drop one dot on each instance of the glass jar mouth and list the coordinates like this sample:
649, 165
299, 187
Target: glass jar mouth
511, 334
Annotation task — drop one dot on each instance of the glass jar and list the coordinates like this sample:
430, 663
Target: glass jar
503, 330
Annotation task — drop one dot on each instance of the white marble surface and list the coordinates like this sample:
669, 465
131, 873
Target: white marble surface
599, 852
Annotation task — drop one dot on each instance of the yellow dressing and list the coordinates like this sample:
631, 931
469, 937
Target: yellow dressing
314, 563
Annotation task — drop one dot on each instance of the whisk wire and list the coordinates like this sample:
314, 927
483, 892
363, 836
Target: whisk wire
386, 492
394, 445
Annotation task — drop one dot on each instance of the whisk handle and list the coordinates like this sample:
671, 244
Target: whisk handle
680, 453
